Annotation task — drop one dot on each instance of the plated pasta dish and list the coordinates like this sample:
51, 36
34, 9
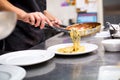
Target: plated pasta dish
76, 47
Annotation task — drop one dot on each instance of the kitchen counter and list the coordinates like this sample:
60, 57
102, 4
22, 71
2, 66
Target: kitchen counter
78, 67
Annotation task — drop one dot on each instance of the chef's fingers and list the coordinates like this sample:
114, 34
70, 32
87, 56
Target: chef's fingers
31, 19
58, 21
37, 20
44, 20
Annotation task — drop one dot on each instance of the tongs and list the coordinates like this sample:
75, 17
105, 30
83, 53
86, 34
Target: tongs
62, 28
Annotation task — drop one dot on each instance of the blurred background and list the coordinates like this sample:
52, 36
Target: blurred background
79, 11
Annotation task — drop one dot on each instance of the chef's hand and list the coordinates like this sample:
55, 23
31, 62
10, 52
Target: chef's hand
55, 21
34, 18
37, 19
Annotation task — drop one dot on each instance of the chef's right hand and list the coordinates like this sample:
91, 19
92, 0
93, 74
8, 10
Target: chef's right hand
37, 19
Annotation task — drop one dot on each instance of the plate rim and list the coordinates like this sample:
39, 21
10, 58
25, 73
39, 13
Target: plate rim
5, 56
19, 75
108, 68
78, 53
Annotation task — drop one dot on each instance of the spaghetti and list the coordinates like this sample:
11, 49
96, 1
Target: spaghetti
75, 36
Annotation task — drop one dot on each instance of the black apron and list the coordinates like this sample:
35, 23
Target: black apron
25, 35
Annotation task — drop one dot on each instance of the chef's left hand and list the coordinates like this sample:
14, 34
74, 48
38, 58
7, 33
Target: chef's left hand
55, 21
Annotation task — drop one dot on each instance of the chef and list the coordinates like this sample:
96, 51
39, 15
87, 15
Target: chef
32, 16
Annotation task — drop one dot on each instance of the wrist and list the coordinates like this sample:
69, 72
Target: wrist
21, 15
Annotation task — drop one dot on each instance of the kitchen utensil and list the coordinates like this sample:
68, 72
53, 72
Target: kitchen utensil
7, 23
114, 30
85, 29
59, 29
110, 25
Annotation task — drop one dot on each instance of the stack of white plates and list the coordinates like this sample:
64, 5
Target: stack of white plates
109, 73
10, 70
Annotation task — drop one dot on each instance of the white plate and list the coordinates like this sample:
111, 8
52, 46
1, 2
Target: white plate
109, 73
26, 57
88, 48
8, 72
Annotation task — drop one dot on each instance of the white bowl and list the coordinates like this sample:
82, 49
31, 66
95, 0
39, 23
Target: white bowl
7, 23
111, 44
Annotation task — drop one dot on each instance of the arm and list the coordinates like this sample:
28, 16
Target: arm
31, 18
5, 5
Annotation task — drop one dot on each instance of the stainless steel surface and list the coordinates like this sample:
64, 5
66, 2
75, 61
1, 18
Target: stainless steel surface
7, 23
80, 67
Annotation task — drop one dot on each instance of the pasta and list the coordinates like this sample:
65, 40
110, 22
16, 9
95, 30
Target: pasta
75, 36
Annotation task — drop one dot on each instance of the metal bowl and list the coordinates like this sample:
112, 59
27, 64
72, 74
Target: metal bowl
86, 29
7, 23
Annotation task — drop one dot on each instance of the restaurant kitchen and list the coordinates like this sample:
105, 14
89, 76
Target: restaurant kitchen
44, 62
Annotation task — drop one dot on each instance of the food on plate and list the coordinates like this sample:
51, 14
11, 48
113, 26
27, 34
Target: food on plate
75, 36
83, 26
71, 49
